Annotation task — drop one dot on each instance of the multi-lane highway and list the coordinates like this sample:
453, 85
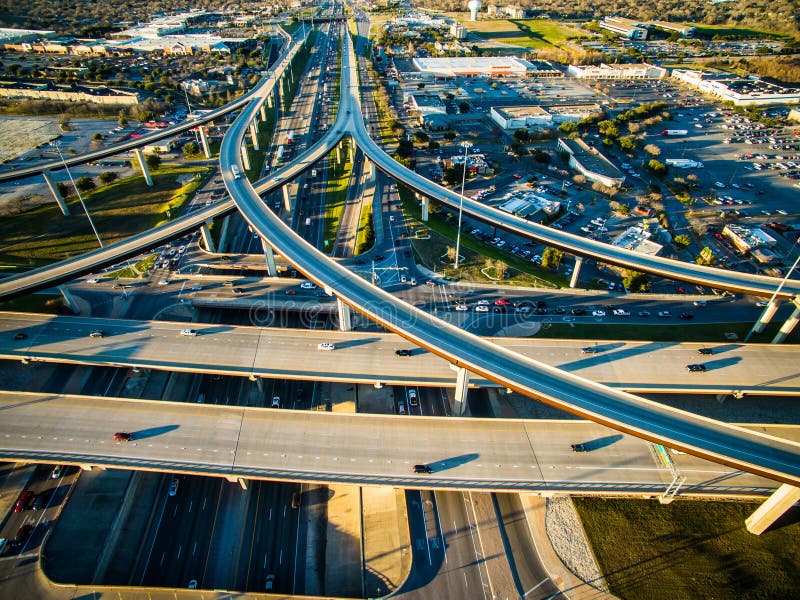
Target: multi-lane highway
313, 446
368, 357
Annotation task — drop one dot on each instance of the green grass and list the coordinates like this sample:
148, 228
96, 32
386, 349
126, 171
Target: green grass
137, 269
264, 132
690, 549
528, 33
678, 331
336, 195
43, 235
431, 253
38, 303
365, 237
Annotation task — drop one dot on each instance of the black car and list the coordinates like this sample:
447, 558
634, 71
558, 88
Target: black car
20, 336
403, 352
578, 311
579, 447
423, 469
559, 310
696, 368
686, 316
705, 351
42, 499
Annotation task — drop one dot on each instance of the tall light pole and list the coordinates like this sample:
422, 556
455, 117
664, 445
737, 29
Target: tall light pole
57, 146
466, 146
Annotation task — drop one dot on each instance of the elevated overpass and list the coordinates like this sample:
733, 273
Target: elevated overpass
470, 354
363, 357
304, 446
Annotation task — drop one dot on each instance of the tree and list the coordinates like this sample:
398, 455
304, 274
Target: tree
627, 143
421, 137
107, 177
452, 175
405, 148
449, 135
551, 258
433, 145
64, 189
153, 160
682, 240
652, 150
97, 137
568, 127
85, 184
421, 86
542, 157
122, 118
519, 149
656, 167
522, 135
635, 281
190, 149
463, 107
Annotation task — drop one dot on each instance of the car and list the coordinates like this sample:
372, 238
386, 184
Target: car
401, 407
182, 249
276, 402
621, 312
700, 303
598, 313
97, 333
189, 332
681, 290
403, 279
20, 336
705, 351
698, 368
163, 282
326, 346
643, 313
290, 292
23, 533
686, 316
276, 179
578, 312
462, 307
173, 486
412, 397
588, 350
501, 302
23, 501
269, 584
58, 472
579, 447
238, 290
122, 436
307, 285
93, 280
482, 308
403, 352
3, 544
425, 469
664, 314
192, 584
42, 499
483, 303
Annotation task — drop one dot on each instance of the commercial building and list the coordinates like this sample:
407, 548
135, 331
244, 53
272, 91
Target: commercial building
458, 31
67, 93
685, 31
529, 205
477, 66
751, 91
527, 117
590, 163
622, 71
746, 239
17, 36
427, 104
639, 239
633, 30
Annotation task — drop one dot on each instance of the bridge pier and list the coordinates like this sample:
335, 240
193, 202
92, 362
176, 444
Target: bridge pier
240, 480
223, 234
778, 503
263, 109
462, 387
91, 467
269, 254
764, 318
575, 274
207, 239
69, 299
56, 194
789, 325
204, 142
245, 157
143, 166
345, 323
339, 152
425, 202
287, 199
254, 134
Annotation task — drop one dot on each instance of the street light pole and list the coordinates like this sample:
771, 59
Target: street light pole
466, 146
57, 146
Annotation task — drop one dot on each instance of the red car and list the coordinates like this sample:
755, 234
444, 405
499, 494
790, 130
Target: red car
122, 436
681, 290
24, 499
501, 302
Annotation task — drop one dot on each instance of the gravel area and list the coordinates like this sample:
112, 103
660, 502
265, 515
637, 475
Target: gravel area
569, 541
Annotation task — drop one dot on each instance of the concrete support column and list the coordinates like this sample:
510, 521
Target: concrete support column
272, 270
778, 503
263, 109
204, 141
258, 381
352, 152
240, 480
69, 299
56, 194
425, 204
86, 467
271, 99
254, 134
207, 239
287, 198
143, 166
345, 323
245, 157
223, 234
462, 386
575, 274
788, 326
339, 152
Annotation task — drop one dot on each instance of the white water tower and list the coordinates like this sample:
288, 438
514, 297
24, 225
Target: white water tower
474, 6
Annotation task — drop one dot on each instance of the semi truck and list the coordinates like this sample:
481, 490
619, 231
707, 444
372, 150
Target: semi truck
672, 132
684, 163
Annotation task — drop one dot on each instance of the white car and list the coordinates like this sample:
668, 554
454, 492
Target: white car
598, 313
482, 308
483, 303
189, 332
326, 346
276, 402
163, 282
173, 487
93, 280
412, 397
307, 285
621, 312
462, 307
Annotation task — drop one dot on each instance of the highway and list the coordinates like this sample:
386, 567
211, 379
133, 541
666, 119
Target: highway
369, 357
314, 446
708, 439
